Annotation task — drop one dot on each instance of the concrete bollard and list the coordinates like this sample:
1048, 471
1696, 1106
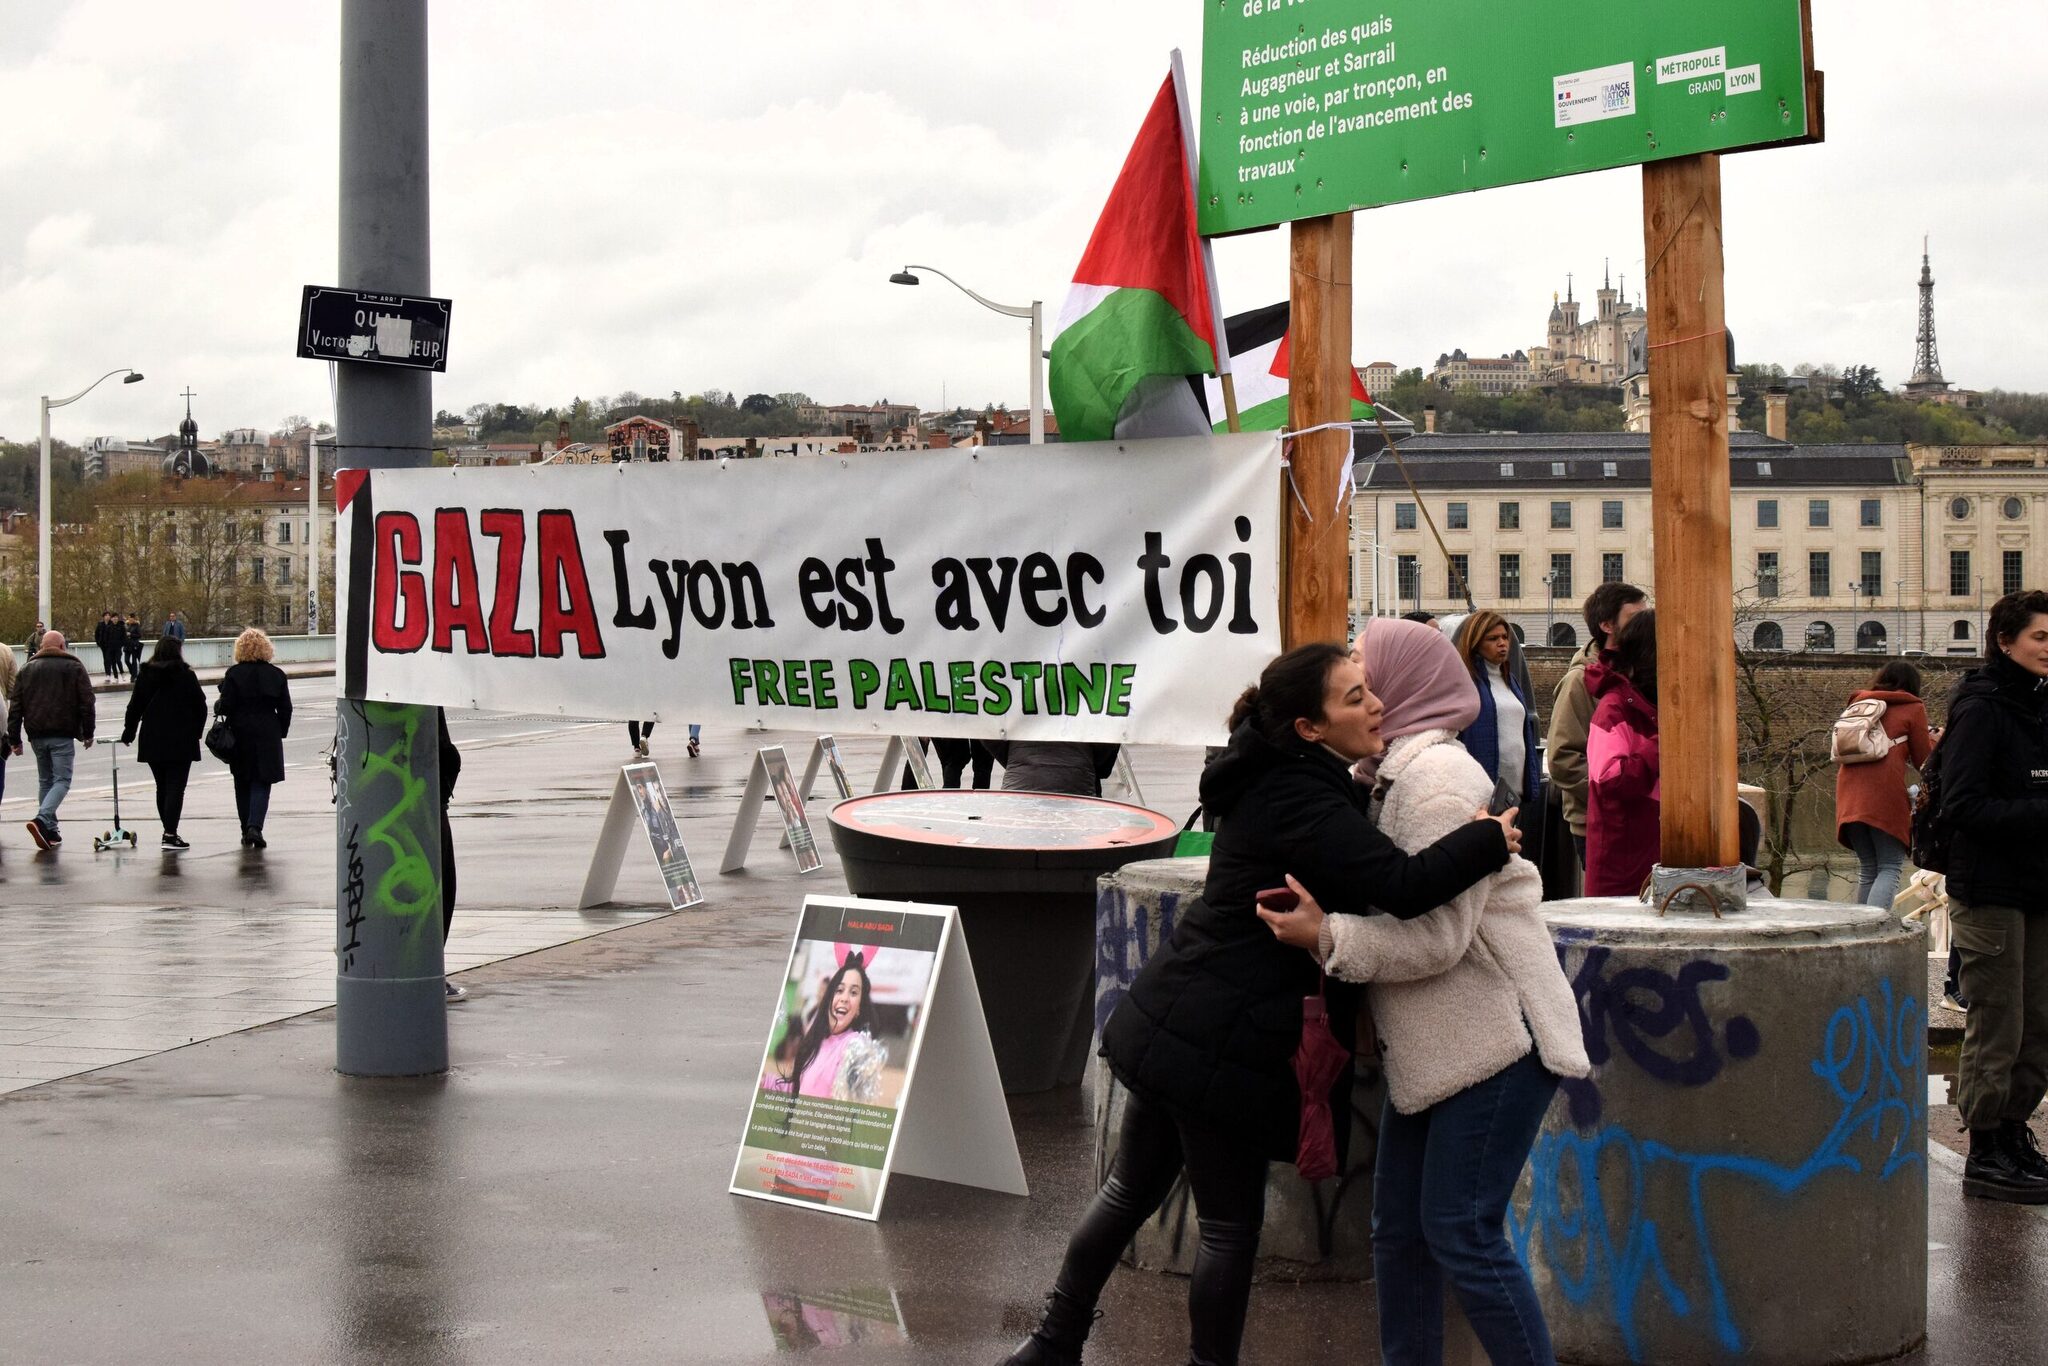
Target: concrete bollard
1314, 1230
1744, 1176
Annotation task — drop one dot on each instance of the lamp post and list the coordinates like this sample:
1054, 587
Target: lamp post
1550, 613
1855, 611
1035, 313
43, 489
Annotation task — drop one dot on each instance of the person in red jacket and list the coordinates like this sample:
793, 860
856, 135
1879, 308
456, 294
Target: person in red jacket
1623, 791
1873, 816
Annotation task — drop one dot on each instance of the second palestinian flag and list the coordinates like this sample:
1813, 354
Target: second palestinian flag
1259, 356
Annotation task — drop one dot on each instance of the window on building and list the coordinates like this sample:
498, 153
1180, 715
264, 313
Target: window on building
1959, 574
1610, 514
1560, 516
1768, 636
1408, 578
1820, 636
1511, 576
1959, 508
1459, 576
1562, 634
1611, 567
284, 533
284, 572
284, 614
1817, 512
1872, 513
1767, 513
1609, 470
1404, 516
1767, 573
257, 616
1763, 469
1557, 469
1507, 469
1457, 516
2015, 571
170, 533
2014, 509
256, 570
198, 569
234, 533
1870, 582
1960, 631
1510, 516
1819, 571
1870, 636
1561, 576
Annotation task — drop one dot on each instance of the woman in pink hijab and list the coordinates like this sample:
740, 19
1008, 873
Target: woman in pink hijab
1475, 1018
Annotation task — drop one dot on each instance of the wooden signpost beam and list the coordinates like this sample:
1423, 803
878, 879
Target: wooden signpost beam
1688, 341
1316, 538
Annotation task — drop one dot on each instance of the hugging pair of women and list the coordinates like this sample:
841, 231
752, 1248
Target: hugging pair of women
1345, 781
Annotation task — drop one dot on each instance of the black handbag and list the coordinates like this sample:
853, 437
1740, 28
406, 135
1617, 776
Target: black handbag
220, 740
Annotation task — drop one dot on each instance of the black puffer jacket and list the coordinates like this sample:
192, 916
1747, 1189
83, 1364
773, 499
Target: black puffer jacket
1994, 788
1209, 1027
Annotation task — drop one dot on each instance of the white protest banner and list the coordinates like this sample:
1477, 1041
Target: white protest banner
1120, 591
878, 1000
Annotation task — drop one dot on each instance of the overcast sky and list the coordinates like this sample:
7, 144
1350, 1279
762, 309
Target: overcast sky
682, 195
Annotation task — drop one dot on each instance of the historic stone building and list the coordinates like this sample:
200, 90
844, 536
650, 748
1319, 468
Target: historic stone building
1874, 547
1593, 351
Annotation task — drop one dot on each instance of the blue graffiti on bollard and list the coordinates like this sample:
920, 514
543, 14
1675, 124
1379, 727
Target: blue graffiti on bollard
1606, 1252
1123, 943
1641, 1007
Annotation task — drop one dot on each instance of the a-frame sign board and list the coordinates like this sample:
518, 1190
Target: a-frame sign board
771, 774
638, 800
915, 1091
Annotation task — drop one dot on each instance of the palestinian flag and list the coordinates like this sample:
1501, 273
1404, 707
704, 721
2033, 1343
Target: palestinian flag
1137, 320
1258, 356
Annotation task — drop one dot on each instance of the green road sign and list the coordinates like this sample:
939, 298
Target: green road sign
1313, 107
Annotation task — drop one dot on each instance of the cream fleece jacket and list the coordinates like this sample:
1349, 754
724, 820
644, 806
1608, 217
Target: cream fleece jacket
1456, 993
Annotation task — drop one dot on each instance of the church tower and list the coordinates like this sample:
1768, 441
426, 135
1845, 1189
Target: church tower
186, 461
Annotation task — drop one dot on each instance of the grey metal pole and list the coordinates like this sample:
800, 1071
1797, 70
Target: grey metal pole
43, 524
392, 1015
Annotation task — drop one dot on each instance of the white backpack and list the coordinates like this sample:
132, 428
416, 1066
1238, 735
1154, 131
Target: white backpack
1859, 735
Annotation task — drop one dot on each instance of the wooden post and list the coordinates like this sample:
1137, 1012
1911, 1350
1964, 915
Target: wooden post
1316, 544
1688, 344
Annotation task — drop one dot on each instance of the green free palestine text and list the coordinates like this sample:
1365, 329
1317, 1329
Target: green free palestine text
989, 687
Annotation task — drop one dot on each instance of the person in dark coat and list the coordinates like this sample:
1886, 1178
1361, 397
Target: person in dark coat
169, 708
1054, 765
257, 702
1204, 1040
107, 636
1993, 773
131, 644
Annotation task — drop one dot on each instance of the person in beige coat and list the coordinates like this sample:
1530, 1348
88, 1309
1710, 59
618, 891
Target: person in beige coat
1476, 1023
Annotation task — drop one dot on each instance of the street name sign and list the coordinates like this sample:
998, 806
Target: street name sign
1314, 107
376, 329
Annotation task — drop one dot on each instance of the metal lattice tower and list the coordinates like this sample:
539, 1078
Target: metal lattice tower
1926, 359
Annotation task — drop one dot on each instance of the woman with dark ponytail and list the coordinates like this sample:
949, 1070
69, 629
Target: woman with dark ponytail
1205, 1038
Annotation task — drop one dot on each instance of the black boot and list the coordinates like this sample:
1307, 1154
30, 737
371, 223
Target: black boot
2025, 1148
1995, 1172
1057, 1339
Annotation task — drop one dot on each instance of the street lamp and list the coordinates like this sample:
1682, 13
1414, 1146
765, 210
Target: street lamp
43, 503
1550, 614
1035, 312
1899, 609
1855, 611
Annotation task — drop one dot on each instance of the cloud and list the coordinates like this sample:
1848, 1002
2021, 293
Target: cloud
683, 195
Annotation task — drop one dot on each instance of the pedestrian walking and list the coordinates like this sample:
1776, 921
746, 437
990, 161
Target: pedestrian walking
1204, 1040
131, 644
956, 756
1607, 609
1873, 814
107, 636
450, 767
1503, 735
1623, 824
696, 737
638, 734
168, 708
1476, 1023
53, 708
9, 670
256, 700
35, 638
1993, 774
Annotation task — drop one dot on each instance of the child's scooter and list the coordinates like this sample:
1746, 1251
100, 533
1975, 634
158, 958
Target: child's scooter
117, 834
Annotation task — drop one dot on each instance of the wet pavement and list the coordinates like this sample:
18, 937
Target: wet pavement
559, 1196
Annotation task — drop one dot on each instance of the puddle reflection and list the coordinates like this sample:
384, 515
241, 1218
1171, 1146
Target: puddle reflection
844, 1318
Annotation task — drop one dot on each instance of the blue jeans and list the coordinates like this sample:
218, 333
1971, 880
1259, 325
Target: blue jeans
1440, 1197
1880, 860
54, 754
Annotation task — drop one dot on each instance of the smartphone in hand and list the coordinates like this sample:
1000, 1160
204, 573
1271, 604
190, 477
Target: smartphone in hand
1278, 899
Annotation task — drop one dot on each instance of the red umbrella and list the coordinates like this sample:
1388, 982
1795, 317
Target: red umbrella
1318, 1061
